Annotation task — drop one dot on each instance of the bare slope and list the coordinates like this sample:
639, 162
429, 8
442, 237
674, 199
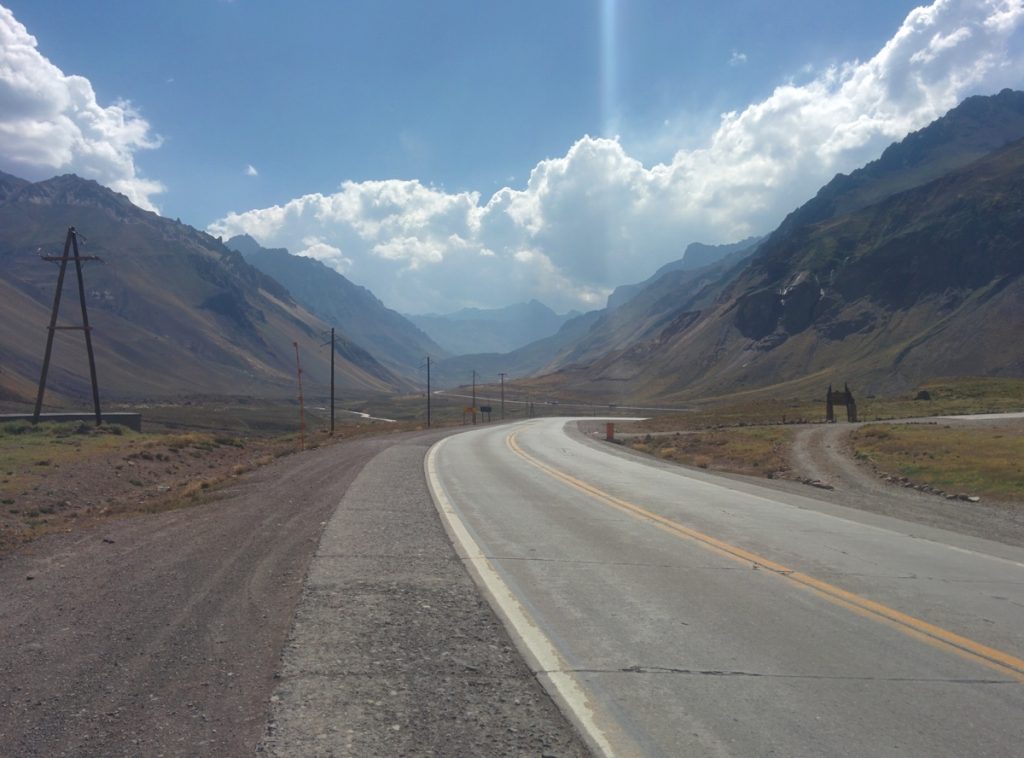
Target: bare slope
172, 309
906, 269
386, 334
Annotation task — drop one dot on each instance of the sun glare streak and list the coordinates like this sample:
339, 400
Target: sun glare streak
609, 70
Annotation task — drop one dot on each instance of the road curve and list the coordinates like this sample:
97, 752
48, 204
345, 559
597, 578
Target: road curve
674, 612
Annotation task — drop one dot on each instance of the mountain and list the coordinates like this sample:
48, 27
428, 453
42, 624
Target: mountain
386, 334
9, 185
500, 330
907, 269
970, 131
666, 305
696, 256
540, 355
173, 311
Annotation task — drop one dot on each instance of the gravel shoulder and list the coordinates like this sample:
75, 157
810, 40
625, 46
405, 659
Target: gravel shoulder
394, 652
163, 634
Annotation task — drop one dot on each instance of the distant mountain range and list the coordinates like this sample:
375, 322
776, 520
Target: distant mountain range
500, 330
354, 310
173, 311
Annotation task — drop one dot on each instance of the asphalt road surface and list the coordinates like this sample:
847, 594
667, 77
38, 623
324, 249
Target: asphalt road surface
675, 612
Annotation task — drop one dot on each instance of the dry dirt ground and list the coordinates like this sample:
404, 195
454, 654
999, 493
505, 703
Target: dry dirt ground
822, 452
162, 634
74, 482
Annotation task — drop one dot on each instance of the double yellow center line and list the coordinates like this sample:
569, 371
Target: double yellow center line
930, 634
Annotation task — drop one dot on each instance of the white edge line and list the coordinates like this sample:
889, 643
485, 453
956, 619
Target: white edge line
538, 650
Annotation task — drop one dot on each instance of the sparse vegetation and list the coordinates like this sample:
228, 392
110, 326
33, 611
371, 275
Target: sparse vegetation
65, 474
757, 451
986, 461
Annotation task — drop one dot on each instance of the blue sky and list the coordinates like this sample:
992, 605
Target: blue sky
430, 111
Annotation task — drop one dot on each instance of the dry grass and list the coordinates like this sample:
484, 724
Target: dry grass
986, 460
55, 477
756, 451
27, 449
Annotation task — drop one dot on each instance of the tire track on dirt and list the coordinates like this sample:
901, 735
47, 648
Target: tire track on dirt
824, 452
161, 634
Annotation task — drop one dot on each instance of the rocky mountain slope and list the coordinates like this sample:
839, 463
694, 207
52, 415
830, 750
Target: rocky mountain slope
173, 310
907, 269
696, 256
354, 310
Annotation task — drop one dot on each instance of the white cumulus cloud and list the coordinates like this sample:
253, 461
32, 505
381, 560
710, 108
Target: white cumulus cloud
50, 122
597, 217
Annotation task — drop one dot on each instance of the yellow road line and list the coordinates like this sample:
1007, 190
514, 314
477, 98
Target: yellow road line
935, 636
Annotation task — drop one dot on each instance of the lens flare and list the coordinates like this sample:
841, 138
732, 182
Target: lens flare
609, 66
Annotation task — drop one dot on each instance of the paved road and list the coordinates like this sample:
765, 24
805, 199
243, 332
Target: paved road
680, 613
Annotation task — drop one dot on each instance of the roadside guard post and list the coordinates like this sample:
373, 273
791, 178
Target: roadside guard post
609, 431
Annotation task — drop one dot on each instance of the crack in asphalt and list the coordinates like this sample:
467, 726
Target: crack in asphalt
403, 556
755, 566
637, 669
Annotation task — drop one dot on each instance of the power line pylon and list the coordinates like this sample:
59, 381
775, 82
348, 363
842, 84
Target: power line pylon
70, 244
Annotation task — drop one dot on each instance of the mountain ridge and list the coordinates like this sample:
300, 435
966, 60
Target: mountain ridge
173, 310
924, 281
338, 301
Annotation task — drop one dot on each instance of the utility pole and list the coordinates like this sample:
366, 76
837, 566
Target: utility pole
70, 243
428, 392
332, 381
331, 343
502, 375
474, 396
302, 407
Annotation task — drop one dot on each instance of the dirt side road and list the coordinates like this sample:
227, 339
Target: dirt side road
162, 635
822, 452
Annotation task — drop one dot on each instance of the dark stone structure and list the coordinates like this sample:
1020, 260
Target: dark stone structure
835, 397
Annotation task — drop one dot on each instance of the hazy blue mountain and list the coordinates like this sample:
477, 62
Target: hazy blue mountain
501, 330
522, 362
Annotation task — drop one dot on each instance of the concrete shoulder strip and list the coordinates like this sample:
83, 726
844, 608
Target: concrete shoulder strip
540, 653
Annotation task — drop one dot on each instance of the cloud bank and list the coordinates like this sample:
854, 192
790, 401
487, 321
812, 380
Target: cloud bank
596, 217
51, 122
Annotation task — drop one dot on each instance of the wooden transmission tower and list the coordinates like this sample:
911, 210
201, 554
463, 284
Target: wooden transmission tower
70, 245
